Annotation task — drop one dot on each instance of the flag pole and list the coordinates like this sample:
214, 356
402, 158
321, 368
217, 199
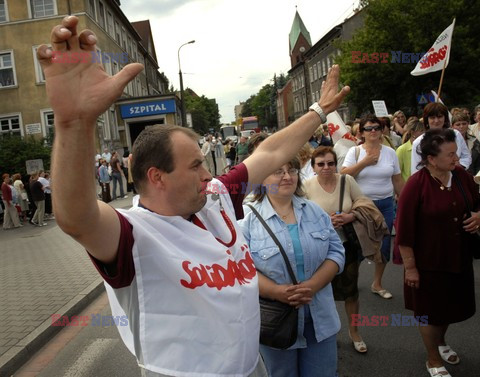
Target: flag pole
441, 80
444, 65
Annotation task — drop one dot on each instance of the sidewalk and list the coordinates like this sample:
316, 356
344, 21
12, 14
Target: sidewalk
42, 272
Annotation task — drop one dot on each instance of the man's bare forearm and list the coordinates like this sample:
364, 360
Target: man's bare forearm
73, 176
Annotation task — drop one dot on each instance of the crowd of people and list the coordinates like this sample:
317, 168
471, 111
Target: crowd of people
25, 199
188, 262
109, 167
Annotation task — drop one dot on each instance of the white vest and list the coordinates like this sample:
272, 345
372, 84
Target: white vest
198, 312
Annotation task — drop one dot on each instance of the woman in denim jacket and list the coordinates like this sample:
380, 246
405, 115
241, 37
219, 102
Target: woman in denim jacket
316, 255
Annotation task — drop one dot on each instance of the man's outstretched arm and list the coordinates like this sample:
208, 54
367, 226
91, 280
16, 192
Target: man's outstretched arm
79, 93
282, 146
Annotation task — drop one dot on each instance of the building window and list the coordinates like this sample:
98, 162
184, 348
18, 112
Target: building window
10, 125
39, 75
111, 30
7, 70
101, 15
117, 32
124, 39
42, 8
3, 11
91, 8
47, 122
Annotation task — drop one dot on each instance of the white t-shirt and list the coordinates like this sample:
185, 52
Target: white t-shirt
375, 180
307, 171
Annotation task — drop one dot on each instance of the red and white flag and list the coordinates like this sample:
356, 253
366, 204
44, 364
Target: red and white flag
337, 129
438, 55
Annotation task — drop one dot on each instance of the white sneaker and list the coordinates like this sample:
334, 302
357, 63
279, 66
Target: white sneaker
125, 197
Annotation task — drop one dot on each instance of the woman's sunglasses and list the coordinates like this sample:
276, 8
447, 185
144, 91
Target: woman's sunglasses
372, 128
329, 164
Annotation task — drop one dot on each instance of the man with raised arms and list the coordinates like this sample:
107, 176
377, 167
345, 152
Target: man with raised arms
176, 263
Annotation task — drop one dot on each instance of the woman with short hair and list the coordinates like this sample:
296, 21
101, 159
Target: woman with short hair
316, 255
435, 115
324, 189
377, 172
433, 222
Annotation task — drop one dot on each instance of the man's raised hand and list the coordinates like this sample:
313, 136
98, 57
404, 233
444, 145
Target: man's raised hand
331, 97
79, 90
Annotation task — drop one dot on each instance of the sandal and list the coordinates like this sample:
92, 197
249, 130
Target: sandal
360, 346
438, 371
446, 353
383, 293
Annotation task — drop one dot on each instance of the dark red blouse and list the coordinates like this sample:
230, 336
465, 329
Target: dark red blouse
430, 220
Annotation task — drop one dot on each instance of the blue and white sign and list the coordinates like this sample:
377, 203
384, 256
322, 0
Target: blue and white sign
134, 110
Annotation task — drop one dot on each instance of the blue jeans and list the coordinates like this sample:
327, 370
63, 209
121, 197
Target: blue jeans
385, 206
317, 359
117, 177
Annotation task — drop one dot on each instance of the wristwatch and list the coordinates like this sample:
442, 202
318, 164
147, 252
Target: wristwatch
316, 107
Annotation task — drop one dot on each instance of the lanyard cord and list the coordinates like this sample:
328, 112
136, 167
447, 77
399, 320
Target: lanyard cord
198, 223
230, 226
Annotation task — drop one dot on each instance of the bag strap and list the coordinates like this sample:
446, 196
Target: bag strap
459, 184
275, 239
357, 153
342, 191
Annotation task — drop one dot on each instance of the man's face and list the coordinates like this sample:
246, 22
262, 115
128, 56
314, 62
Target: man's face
6, 179
243, 140
185, 185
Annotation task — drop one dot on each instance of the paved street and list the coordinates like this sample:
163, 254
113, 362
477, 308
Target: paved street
394, 351
42, 272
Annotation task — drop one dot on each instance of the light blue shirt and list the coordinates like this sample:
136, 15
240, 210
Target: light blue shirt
319, 241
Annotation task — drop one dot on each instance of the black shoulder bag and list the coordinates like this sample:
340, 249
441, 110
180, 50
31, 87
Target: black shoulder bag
473, 238
278, 321
348, 229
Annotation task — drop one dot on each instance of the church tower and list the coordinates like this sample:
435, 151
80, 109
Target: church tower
299, 40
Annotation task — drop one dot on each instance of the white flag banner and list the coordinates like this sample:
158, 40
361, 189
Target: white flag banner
438, 55
337, 129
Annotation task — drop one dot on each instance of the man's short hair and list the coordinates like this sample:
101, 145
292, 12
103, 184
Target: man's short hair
154, 148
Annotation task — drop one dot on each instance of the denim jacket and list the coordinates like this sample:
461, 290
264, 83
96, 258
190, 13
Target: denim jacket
319, 241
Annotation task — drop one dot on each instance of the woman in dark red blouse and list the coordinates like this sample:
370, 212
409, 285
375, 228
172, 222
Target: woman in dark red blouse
432, 235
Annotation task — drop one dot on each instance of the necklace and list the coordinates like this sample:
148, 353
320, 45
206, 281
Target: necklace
442, 186
284, 217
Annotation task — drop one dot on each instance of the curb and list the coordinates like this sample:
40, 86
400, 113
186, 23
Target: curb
19, 354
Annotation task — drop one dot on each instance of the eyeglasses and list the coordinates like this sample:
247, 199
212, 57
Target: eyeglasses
372, 128
281, 172
329, 164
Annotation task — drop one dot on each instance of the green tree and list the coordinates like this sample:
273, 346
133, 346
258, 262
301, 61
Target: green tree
264, 103
205, 114
14, 151
412, 26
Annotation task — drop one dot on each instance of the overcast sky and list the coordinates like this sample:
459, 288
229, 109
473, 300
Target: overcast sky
240, 44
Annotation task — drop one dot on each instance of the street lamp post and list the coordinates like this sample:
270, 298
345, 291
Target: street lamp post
182, 100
